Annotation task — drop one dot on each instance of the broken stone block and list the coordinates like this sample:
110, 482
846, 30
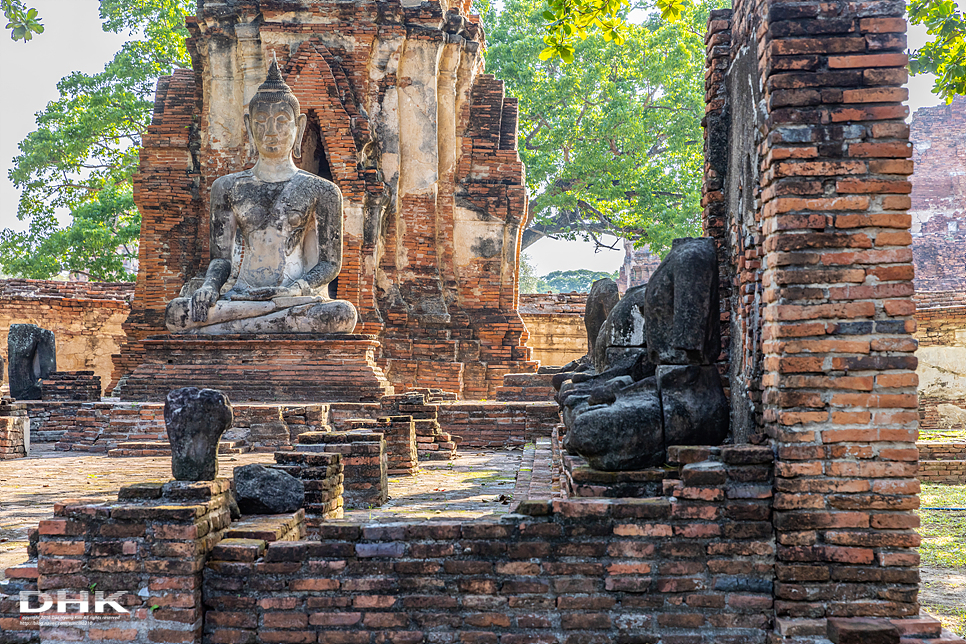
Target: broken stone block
682, 319
32, 356
695, 408
195, 420
623, 433
263, 490
603, 297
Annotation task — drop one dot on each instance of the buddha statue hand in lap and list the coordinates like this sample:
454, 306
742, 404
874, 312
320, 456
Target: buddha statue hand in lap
289, 226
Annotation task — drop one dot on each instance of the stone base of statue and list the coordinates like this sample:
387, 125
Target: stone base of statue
293, 367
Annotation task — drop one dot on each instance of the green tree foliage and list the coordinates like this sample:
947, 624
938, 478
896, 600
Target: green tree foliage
530, 282
945, 55
613, 143
21, 21
84, 151
570, 281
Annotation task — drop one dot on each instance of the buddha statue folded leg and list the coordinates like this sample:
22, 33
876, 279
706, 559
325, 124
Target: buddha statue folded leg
282, 315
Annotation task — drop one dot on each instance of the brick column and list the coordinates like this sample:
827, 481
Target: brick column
839, 372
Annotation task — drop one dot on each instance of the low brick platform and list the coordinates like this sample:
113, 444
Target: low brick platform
942, 463
71, 385
323, 478
365, 468
400, 435
531, 387
260, 367
14, 430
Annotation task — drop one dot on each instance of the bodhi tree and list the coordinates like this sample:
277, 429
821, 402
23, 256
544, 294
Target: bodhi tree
84, 152
613, 142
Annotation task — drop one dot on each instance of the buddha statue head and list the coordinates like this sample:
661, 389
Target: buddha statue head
274, 121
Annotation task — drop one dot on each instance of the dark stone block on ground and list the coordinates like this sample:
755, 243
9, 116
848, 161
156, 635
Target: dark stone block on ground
195, 420
862, 631
32, 356
263, 490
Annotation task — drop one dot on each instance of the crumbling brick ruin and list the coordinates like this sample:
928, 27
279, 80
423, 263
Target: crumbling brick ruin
85, 317
938, 196
801, 531
421, 142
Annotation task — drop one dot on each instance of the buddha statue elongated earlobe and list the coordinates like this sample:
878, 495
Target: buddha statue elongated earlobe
252, 150
299, 135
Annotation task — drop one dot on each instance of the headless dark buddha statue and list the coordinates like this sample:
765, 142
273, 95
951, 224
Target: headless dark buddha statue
289, 223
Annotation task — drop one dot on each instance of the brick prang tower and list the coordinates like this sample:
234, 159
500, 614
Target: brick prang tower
419, 139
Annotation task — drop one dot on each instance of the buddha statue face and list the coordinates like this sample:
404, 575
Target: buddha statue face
275, 126
275, 130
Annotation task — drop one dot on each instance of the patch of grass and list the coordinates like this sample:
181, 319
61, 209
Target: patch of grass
943, 435
943, 532
952, 617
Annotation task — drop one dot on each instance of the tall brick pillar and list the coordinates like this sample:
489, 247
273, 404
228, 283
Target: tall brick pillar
838, 378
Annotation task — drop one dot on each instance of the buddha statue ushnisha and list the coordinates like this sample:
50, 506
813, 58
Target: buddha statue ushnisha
288, 224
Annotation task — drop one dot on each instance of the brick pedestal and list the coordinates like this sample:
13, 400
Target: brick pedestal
14, 430
364, 463
260, 367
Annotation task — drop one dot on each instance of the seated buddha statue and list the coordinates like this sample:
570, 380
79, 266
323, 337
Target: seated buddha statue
276, 237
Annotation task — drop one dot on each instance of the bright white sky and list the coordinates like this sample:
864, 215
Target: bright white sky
74, 41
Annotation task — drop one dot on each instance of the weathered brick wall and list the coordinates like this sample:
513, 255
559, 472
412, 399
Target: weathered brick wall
938, 196
434, 200
555, 322
820, 214
695, 567
86, 319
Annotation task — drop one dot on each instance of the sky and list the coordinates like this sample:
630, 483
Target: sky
74, 41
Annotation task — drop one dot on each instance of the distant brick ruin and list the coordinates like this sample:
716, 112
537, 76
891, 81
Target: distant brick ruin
938, 206
422, 144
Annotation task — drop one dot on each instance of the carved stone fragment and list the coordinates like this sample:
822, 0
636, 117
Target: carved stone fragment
32, 355
195, 420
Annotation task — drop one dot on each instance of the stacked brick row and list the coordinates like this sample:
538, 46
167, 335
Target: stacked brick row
99, 427
526, 387
364, 463
695, 569
252, 367
400, 434
942, 463
941, 326
14, 430
150, 546
49, 421
322, 475
432, 443
22, 578
838, 370
938, 299
71, 385
498, 424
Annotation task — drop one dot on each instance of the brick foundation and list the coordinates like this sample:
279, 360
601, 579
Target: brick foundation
14, 430
260, 368
71, 385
